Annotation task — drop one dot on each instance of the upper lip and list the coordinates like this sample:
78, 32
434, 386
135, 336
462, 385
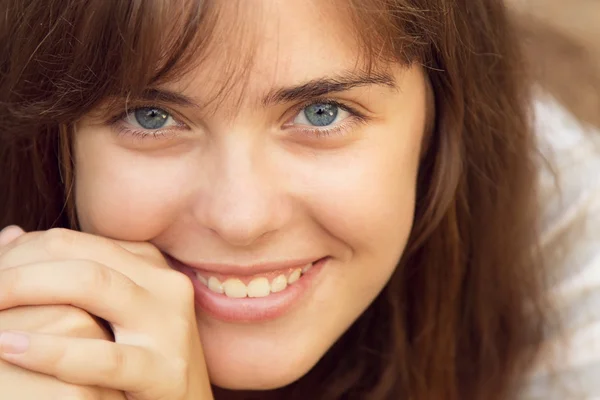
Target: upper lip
249, 269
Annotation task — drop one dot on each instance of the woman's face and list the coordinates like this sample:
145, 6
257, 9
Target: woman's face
313, 160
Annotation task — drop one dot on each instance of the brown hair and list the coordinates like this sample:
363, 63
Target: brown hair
462, 316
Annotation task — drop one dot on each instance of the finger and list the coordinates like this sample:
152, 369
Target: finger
57, 320
150, 271
91, 286
9, 234
86, 362
58, 244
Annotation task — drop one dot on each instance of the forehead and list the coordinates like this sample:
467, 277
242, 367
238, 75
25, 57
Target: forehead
258, 45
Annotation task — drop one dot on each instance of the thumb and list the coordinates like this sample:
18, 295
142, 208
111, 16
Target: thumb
9, 234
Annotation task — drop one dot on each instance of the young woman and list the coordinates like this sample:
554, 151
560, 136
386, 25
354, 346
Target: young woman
286, 199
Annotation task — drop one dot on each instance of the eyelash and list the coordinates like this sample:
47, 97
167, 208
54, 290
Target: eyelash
342, 128
120, 126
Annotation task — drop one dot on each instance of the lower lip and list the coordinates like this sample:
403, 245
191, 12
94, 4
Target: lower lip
248, 309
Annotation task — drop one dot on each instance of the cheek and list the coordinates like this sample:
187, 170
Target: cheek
367, 198
129, 198
365, 207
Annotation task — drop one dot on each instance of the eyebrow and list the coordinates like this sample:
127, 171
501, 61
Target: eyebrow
306, 91
323, 86
167, 96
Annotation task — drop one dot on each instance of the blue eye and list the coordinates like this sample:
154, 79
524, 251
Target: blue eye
321, 114
150, 118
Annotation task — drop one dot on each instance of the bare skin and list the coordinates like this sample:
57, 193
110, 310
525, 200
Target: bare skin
56, 320
274, 178
18, 383
34, 266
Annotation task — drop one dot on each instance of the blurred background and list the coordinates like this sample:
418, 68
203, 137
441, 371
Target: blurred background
562, 39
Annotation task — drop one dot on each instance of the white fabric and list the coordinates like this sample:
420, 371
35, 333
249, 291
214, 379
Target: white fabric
570, 366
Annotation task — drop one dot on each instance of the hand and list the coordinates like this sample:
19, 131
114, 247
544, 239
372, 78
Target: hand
157, 353
21, 384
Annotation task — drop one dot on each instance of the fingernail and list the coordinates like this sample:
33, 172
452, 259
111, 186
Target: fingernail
9, 234
13, 343
16, 228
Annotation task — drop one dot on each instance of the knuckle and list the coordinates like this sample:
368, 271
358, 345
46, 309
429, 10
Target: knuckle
55, 241
181, 287
59, 360
98, 277
100, 280
115, 363
75, 322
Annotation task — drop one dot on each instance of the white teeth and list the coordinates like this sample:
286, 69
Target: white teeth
307, 268
279, 284
294, 276
201, 279
259, 287
235, 288
215, 285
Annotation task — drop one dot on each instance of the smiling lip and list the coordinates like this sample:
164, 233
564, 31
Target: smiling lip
250, 270
248, 309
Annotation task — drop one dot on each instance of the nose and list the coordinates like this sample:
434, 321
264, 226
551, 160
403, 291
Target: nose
243, 201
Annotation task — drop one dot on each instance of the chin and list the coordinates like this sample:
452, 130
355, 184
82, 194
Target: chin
266, 376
